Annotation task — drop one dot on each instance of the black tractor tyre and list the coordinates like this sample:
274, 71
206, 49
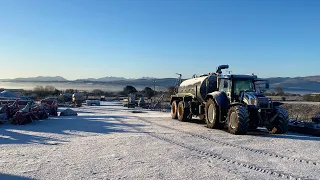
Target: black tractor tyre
182, 112
281, 122
174, 107
238, 120
254, 119
212, 115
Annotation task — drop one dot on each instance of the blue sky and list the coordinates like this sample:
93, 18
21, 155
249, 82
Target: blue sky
157, 38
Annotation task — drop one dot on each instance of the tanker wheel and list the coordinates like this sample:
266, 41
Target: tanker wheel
202, 117
212, 115
174, 108
238, 120
183, 112
280, 124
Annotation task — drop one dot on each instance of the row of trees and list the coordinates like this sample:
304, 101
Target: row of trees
40, 92
278, 91
307, 97
146, 92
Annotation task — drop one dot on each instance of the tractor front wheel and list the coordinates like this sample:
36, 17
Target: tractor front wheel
280, 124
238, 120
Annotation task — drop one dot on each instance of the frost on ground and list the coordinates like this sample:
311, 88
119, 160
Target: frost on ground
111, 142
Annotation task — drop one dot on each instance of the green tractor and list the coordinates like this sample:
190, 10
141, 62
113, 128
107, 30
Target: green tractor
229, 100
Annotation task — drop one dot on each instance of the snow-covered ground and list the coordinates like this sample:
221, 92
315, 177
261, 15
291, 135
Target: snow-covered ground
111, 142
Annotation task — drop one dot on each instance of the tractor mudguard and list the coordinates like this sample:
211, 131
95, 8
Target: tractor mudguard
220, 98
236, 104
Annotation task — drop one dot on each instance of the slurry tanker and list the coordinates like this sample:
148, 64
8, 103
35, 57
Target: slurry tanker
229, 100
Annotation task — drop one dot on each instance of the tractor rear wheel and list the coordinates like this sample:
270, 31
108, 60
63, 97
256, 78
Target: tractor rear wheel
212, 115
183, 112
238, 120
174, 108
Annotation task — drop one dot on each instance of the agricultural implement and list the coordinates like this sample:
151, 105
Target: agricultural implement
312, 128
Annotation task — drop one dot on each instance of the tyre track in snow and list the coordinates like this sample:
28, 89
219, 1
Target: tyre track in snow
213, 155
256, 151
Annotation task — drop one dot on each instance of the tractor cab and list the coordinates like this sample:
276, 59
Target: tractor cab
244, 89
235, 85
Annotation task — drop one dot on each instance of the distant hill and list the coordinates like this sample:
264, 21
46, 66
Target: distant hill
39, 79
104, 79
311, 83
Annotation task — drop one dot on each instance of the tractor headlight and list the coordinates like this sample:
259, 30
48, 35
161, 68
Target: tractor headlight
252, 101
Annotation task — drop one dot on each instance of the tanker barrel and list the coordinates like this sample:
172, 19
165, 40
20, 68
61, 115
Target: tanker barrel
199, 87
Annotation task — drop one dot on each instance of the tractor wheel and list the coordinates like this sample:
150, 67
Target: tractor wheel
212, 115
281, 122
238, 120
254, 120
183, 112
28, 119
174, 108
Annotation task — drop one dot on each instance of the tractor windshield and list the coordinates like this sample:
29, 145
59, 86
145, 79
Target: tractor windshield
243, 85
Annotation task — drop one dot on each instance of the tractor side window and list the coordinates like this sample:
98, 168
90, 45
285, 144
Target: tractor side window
225, 85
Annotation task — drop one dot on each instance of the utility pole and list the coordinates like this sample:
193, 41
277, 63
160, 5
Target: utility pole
179, 79
178, 82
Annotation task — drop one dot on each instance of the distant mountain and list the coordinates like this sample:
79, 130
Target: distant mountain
148, 78
104, 79
39, 79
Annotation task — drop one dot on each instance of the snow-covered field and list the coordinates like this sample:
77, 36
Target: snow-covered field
111, 142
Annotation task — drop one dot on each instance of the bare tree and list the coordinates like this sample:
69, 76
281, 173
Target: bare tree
49, 88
